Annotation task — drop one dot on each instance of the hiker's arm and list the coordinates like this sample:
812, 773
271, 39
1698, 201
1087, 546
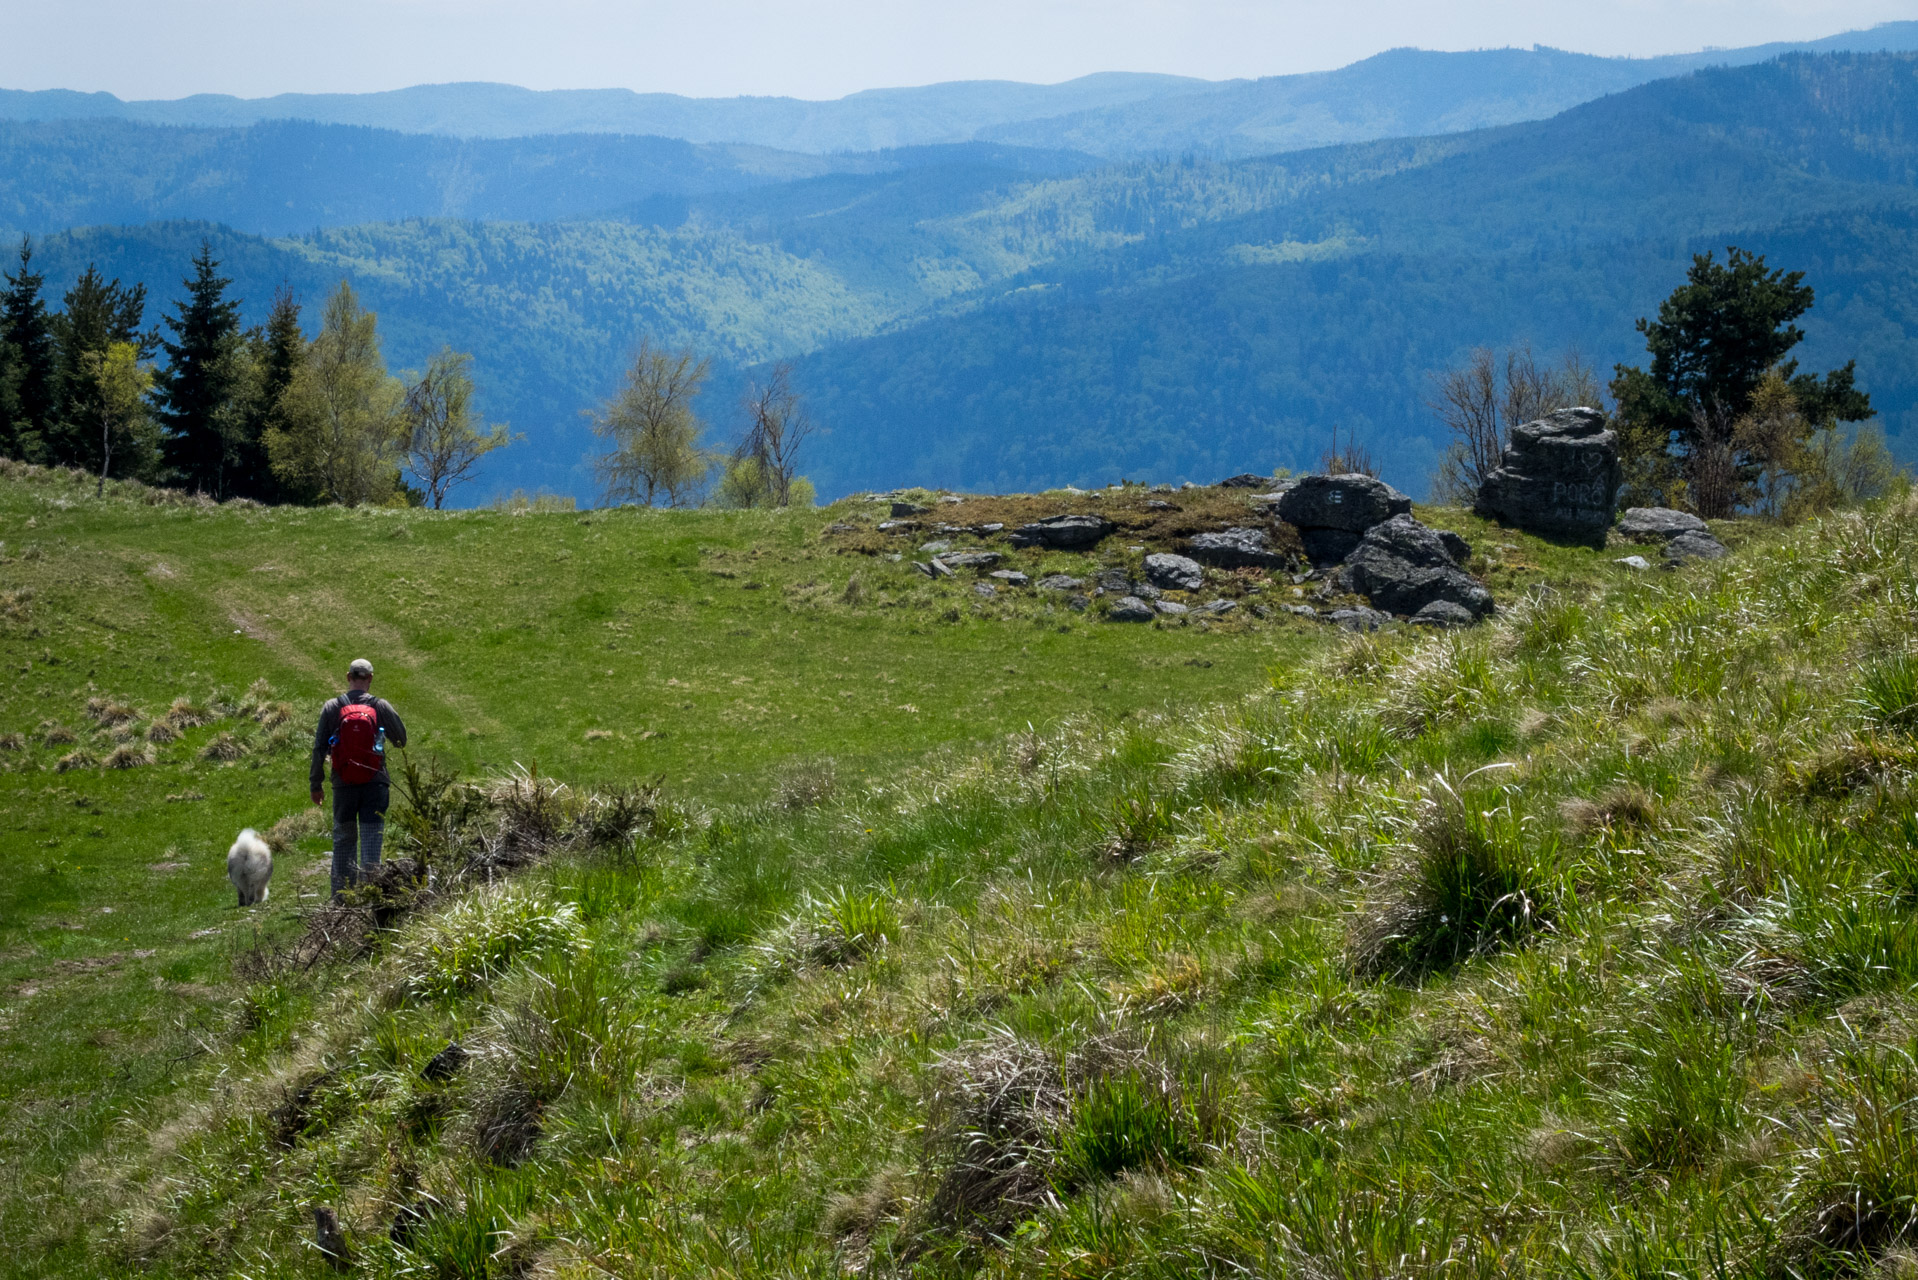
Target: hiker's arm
322, 741
391, 722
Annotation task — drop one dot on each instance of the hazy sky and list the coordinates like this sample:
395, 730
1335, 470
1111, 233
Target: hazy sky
169, 48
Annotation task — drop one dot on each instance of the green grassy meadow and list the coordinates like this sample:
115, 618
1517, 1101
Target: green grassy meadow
714, 650
1579, 943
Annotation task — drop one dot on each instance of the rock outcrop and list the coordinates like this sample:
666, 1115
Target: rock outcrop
1402, 566
1559, 477
1332, 513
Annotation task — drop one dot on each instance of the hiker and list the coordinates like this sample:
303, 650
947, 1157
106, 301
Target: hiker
354, 730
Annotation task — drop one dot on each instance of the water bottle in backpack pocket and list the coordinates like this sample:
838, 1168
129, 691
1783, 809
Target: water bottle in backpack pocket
359, 745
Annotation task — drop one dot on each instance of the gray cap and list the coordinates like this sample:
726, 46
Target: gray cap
358, 667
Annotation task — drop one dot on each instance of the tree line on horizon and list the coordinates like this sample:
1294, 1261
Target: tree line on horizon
262, 413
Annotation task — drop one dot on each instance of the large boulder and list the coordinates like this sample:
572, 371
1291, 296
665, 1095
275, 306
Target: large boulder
1657, 524
1235, 549
1246, 481
1402, 566
1560, 477
1351, 502
1174, 573
1063, 533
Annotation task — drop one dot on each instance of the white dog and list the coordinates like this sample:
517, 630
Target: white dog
249, 865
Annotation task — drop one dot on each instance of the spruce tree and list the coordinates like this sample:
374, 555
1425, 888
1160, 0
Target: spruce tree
27, 333
98, 315
274, 351
195, 392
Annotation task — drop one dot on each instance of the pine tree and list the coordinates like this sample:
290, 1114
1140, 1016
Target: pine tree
98, 315
27, 333
195, 392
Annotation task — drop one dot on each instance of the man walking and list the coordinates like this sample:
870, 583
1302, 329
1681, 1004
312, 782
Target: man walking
353, 731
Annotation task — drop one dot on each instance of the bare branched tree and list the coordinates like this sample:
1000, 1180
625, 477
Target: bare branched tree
655, 455
778, 426
443, 443
1484, 398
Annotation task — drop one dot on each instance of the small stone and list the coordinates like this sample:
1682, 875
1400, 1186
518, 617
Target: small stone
1444, 613
902, 509
935, 547
1174, 573
1695, 546
1358, 619
1063, 533
1245, 481
985, 589
1012, 577
984, 530
840, 526
1130, 609
1060, 582
971, 559
1219, 606
1159, 504
1078, 602
1657, 524
1170, 607
951, 499
1633, 562
896, 526
1299, 610
447, 1063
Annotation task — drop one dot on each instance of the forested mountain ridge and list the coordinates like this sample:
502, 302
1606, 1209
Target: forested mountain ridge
961, 321
1398, 93
286, 177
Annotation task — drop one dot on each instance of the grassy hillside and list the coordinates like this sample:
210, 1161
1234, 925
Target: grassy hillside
165, 660
1580, 943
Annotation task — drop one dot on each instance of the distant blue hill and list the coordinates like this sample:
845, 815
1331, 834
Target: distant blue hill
1402, 93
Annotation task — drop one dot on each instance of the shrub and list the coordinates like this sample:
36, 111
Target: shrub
186, 714
476, 938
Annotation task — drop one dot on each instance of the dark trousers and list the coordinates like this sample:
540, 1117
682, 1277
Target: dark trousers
359, 828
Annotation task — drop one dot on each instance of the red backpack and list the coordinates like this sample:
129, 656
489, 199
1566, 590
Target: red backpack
357, 756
